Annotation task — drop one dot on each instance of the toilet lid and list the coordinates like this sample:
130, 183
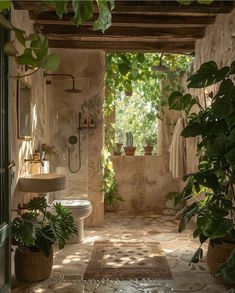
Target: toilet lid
74, 203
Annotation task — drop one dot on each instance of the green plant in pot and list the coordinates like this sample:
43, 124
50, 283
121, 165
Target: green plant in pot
212, 186
35, 229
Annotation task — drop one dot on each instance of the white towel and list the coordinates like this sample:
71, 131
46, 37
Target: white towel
177, 151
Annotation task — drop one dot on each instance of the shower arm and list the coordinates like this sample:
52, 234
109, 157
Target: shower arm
61, 74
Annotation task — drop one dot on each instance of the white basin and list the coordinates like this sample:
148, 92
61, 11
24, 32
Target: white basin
43, 183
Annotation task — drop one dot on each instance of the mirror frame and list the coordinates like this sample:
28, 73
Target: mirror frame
20, 109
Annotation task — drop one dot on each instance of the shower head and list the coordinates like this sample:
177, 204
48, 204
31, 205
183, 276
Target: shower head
160, 67
71, 90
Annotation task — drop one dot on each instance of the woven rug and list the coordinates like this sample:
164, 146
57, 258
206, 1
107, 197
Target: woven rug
126, 260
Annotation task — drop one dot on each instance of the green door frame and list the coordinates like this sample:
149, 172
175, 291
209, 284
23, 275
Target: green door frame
5, 246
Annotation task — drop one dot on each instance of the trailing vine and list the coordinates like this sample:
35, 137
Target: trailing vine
128, 74
35, 46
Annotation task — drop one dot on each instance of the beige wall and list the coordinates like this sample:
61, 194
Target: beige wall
88, 69
21, 149
144, 181
217, 45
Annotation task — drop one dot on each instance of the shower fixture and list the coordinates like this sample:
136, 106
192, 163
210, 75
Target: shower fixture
160, 67
73, 140
71, 90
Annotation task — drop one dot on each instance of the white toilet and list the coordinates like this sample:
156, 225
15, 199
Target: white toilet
80, 209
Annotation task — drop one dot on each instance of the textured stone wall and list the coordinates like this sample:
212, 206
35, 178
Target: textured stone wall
21, 149
88, 70
144, 181
217, 45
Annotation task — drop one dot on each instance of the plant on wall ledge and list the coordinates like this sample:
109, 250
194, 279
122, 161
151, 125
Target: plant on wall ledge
212, 186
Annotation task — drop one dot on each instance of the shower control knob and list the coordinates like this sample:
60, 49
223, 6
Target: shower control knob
73, 139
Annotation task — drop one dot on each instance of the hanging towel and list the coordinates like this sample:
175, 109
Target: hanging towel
177, 151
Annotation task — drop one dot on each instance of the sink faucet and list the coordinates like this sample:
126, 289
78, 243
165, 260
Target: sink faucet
34, 161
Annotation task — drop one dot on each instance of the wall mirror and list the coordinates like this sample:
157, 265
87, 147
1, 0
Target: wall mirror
24, 110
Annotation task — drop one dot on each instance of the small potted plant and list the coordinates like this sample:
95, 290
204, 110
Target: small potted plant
35, 229
129, 148
46, 151
149, 147
117, 149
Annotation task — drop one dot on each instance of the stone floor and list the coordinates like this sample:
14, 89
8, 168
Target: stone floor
70, 263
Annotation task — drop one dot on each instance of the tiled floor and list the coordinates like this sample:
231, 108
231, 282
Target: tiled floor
71, 262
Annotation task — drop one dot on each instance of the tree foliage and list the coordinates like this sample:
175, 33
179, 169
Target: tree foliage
133, 88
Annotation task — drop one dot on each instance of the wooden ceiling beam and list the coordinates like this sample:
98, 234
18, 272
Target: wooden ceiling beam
133, 20
169, 47
144, 7
124, 32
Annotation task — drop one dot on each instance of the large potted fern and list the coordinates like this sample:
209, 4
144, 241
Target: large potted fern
212, 186
35, 229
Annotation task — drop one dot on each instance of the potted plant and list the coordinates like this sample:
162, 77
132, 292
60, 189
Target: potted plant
149, 147
34, 231
212, 185
117, 149
129, 148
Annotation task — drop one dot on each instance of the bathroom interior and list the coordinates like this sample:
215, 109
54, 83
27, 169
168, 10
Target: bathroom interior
65, 117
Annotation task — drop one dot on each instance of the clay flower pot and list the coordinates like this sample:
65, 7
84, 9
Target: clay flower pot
129, 150
148, 150
117, 149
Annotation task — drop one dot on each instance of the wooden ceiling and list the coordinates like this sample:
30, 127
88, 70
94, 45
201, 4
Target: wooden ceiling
137, 26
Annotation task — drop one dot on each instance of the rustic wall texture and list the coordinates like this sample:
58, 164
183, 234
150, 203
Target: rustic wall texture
21, 149
88, 68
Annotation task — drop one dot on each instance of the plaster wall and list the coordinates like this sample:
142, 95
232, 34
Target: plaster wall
88, 69
217, 45
21, 149
144, 181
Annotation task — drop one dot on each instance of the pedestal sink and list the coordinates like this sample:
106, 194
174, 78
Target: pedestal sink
43, 183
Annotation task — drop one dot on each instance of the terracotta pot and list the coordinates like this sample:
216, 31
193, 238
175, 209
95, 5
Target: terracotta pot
129, 150
117, 149
32, 266
148, 150
218, 254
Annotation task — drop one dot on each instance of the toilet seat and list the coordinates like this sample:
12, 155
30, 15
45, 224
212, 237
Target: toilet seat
74, 203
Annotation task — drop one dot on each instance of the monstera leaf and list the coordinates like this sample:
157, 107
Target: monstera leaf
207, 75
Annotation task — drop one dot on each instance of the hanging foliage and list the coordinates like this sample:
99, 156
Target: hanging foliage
35, 46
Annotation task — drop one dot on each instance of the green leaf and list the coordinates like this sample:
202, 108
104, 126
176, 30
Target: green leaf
20, 36
232, 68
178, 101
83, 11
27, 59
222, 105
104, 20
10, 49
123, 68
207, 75
52, 62
232, 136
140, 57
5, 5
206, 2
36, 203
61, 7
216, 146
230, 157
5, 22
217, 227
